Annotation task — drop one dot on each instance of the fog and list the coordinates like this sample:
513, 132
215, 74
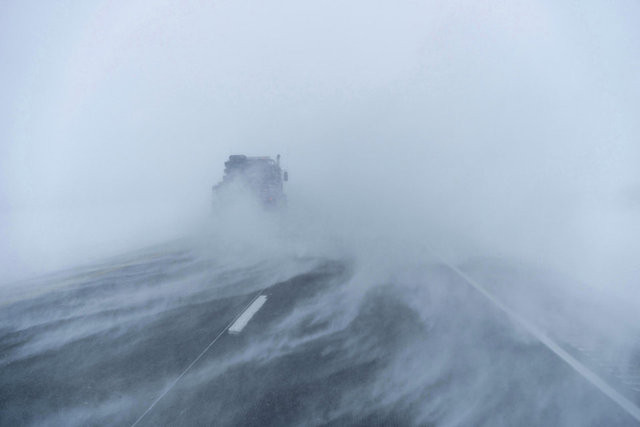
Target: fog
509, 126
477, 131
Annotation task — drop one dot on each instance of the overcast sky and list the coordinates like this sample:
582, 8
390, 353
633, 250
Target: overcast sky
513, 123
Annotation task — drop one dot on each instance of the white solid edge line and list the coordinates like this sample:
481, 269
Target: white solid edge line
629, 407
245, 317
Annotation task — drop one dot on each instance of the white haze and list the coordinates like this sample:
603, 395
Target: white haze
495, 128
477, 128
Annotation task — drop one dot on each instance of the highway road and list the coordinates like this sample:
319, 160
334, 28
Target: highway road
143, 339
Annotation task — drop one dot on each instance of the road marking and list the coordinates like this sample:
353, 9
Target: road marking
183, 373
244, 318
630, 407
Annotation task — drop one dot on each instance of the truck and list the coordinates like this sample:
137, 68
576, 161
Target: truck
260, 177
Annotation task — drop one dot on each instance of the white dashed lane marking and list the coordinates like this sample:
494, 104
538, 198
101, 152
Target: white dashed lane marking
244, 318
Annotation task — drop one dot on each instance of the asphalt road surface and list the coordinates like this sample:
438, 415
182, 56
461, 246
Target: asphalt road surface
99, 345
